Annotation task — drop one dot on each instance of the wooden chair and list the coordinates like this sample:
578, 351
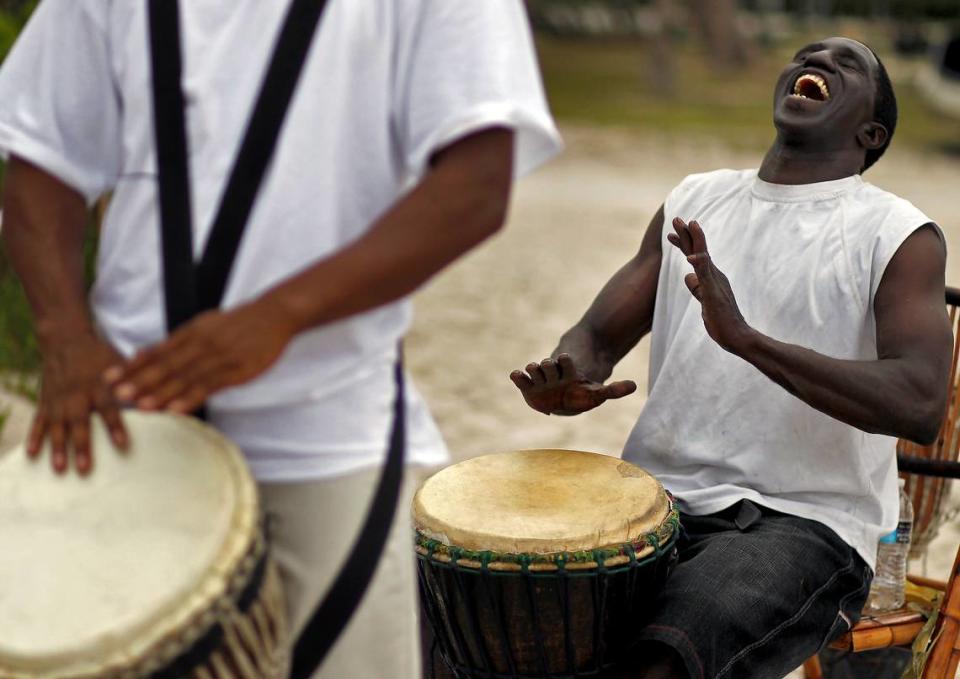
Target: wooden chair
927, 470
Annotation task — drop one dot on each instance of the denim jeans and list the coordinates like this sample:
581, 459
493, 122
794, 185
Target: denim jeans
756, 592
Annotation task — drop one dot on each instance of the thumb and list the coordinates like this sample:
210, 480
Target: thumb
619, 389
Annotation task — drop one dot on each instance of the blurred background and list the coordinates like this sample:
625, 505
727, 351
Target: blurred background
645, 92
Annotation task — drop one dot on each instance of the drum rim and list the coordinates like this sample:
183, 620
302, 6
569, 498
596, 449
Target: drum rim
186, 619
611, 510
650, 543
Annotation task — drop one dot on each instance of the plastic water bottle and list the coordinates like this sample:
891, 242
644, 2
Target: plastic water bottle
886, 593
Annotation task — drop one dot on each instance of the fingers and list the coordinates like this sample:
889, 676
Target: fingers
619, 389
568, 370
520, 379
536, 374
80, 441
38, 431
681, 238
110, 413
58, 443
693, 285
698, 239
550, 370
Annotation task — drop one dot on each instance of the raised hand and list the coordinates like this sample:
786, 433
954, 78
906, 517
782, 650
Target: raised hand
556, 387
721, 315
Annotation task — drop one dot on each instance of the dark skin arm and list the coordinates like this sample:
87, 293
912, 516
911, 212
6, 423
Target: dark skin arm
43, 231
461, 201
572, 380
903, 393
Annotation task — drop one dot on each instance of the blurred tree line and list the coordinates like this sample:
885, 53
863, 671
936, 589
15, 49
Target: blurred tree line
929, 9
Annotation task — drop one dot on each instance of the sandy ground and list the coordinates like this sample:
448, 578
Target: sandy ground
572, 224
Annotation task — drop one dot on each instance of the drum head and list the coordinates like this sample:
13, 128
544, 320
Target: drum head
95, 571
539, 502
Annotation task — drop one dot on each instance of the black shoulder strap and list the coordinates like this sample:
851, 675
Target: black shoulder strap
173, 174
190, 288
256, 150
209, 278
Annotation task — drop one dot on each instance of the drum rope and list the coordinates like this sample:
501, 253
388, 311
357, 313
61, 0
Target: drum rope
534, 614
472, 618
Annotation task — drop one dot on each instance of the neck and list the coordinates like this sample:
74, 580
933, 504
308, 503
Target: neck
790, 164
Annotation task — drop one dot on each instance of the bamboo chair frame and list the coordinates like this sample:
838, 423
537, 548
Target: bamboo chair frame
928, 471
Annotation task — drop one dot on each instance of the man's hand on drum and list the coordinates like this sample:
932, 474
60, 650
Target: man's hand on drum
72, 389
556, 387
721, 315
214, 351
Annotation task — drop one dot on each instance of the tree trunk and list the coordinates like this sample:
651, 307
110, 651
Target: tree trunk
716, 23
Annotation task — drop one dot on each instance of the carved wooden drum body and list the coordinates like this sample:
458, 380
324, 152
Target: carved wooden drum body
540, 563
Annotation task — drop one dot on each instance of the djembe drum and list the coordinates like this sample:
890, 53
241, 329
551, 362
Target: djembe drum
155, 565
540, 563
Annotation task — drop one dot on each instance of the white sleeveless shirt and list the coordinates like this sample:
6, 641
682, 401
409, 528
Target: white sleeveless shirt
805, 262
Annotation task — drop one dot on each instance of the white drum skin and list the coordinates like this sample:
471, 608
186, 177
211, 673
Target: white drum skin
96, 571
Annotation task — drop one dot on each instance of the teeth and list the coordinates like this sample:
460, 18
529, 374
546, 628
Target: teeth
816, 80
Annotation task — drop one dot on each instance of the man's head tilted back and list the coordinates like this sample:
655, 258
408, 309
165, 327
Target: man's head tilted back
836, 96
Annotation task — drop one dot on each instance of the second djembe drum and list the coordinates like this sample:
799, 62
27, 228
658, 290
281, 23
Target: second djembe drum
540, 563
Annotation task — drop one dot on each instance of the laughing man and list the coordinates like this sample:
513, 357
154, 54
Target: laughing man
798, 326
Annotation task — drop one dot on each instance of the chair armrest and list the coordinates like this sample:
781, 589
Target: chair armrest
917, 465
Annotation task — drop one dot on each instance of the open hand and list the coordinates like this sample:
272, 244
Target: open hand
214, 351
555, 387
71, 391
721, 315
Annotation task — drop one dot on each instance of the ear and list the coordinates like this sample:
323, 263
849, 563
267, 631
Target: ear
872, 135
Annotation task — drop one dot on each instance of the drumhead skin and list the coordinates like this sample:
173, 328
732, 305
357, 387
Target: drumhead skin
96, 571
540, 502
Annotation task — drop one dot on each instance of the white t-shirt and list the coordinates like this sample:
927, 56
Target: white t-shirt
386, 84
804, 263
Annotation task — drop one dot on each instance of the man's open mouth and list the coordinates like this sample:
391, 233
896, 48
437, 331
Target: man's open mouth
811, 86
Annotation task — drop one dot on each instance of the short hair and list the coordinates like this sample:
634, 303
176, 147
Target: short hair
884, 112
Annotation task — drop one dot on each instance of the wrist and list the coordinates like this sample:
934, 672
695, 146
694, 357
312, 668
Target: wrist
746, 342
282, 311
52, 332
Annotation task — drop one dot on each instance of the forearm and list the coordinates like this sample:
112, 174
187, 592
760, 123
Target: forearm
451, 211
43, 229
894, 396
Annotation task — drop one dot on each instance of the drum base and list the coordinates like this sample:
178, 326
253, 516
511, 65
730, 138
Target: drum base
532, 625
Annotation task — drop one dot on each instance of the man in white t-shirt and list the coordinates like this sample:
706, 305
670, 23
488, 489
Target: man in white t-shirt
784, 359
410, 119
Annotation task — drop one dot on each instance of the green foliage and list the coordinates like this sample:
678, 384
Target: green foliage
13, 16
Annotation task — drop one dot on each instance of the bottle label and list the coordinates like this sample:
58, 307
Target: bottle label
900, 535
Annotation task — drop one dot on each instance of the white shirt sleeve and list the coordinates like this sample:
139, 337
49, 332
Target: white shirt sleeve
59, 108
465, 66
